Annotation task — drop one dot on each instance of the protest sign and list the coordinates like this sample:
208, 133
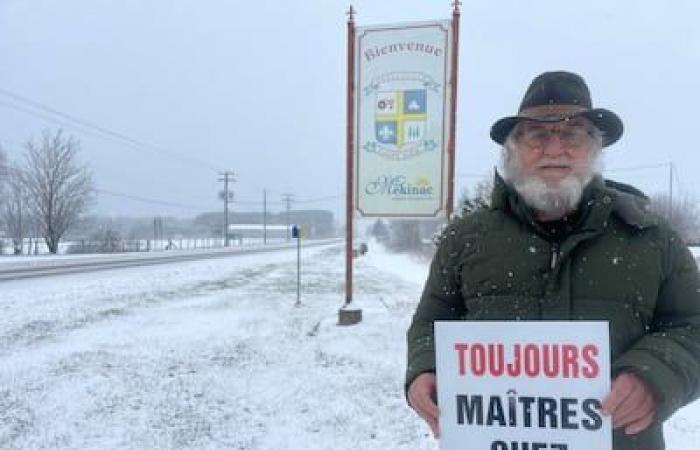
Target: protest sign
523, 385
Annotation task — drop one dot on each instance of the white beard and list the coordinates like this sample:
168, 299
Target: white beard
552, 202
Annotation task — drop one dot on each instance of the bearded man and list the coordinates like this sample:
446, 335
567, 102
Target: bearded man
560, 243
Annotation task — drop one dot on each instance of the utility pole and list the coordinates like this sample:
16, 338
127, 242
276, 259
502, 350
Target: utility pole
288, 199
264, 216
227, 197
158, 232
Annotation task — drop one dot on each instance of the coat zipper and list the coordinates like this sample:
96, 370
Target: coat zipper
555, 256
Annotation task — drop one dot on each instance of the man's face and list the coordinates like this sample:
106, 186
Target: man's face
551, 152
549, 164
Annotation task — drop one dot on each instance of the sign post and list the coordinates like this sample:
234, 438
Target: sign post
522, 385
454, 64
297, 233
347, 315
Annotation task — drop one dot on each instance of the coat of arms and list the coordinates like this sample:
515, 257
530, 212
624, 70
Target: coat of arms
401, 125
400, 117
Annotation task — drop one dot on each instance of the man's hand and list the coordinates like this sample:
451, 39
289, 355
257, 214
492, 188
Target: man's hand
421, 395
631, 403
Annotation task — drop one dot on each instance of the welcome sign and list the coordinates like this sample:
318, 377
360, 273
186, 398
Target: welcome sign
523, 385
402, 100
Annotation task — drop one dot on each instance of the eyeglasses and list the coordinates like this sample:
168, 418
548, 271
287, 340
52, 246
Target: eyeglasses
537, 135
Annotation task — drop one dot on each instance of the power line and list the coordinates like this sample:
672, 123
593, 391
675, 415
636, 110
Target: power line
283, 202
23, 147
150, 200
108, 133
99, 131
472, 175
250, 202
12, 142
182, 205
320, 199
617, 169
105, 132
12, 167
123, 195
650, 166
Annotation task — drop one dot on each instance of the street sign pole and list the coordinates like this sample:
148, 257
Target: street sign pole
297, 232
298, 268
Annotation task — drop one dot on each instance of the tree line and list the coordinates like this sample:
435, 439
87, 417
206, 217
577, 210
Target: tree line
46, 191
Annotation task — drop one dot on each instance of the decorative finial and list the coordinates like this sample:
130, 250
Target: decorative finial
351, 14
456, 4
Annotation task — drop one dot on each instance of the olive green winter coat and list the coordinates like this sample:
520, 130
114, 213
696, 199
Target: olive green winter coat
617, 263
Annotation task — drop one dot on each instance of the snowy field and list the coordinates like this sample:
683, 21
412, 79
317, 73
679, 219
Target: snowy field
214, 355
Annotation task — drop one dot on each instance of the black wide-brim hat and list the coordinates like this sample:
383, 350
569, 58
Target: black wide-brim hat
558, 96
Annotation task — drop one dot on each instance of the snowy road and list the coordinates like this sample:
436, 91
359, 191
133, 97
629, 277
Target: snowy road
213, 354
13, 268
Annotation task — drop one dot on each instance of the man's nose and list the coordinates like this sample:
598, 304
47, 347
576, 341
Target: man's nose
553, 146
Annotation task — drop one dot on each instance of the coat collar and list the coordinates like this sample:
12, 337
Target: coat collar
631, 205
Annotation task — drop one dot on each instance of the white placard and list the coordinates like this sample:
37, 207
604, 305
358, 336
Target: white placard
402, 126
523, 385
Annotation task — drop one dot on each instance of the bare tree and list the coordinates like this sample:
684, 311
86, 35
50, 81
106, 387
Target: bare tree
15, 208
3, 167
3, 182
3, 175
4, 171
379, 231
480, 197
405, 235
108, 237
683, 215
61, 189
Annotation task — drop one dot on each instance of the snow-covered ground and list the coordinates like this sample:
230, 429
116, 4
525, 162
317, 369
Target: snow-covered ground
695, 251
214, 354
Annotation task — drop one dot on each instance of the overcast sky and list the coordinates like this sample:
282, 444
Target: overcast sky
258, 87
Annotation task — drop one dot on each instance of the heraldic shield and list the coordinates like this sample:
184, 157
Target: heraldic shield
401, 118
